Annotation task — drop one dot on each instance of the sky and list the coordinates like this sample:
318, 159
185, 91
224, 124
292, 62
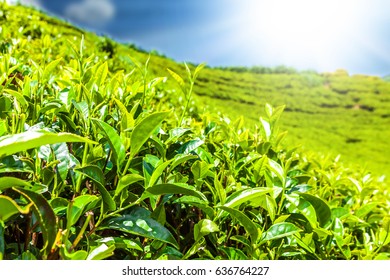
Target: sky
321, 35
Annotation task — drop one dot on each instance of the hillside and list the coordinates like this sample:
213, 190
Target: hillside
330, 114
106, 154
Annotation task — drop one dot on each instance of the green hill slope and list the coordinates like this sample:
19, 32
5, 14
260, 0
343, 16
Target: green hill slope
104, 157
330, 113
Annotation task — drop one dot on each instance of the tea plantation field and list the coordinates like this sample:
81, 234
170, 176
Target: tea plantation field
109, 152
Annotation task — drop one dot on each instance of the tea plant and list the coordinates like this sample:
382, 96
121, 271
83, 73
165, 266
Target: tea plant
99, 160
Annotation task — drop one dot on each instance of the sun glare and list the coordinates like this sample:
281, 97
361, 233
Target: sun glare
300, 31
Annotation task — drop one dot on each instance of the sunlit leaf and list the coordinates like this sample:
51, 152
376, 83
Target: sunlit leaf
118, 149
138, 222
204, 227
101, 252
143, 130
12, 144
280, 230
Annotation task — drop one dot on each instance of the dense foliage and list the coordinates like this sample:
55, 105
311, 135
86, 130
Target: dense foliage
102, 159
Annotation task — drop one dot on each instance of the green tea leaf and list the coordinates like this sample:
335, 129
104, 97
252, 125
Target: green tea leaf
280, 230
190, 146
204, 227
101, 73
96, 174
247, 223
199, 169
126, 181
138, 222
78, 207
101, 252
143, 130
178, 79
49, 69
8, 208
45, 215
322, 209
246, 195
15, 143
8, 182
117, 147
176, 189
158, 172
2, 240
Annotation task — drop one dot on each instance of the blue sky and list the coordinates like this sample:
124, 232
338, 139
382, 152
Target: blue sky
305, 34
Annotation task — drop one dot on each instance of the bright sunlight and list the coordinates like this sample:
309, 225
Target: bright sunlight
301, 31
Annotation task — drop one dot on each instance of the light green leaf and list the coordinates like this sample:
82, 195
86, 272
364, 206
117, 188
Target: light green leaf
322, 209
126, 181
143, 130
280, 230
190, 146
101, 252
127, 120
8, 208
178, 79
15, 143
78, 207
246, 195
304, 207
278, 170
8, 182
259, 168
158, 172
117, 147
199, 169
204, 227
101, 74
49, 69
179, 159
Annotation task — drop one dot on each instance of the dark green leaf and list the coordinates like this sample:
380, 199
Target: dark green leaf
138, 222
45, 215
321, 207
176, 189
96, 174
247, 223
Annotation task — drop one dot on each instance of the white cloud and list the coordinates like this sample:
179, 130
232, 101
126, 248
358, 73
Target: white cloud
92, 12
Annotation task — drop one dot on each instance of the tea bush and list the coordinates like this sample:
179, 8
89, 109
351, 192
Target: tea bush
100, 159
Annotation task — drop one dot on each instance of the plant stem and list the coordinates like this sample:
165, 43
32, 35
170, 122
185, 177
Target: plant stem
78, 185
188, 103
81, 233
2, 243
